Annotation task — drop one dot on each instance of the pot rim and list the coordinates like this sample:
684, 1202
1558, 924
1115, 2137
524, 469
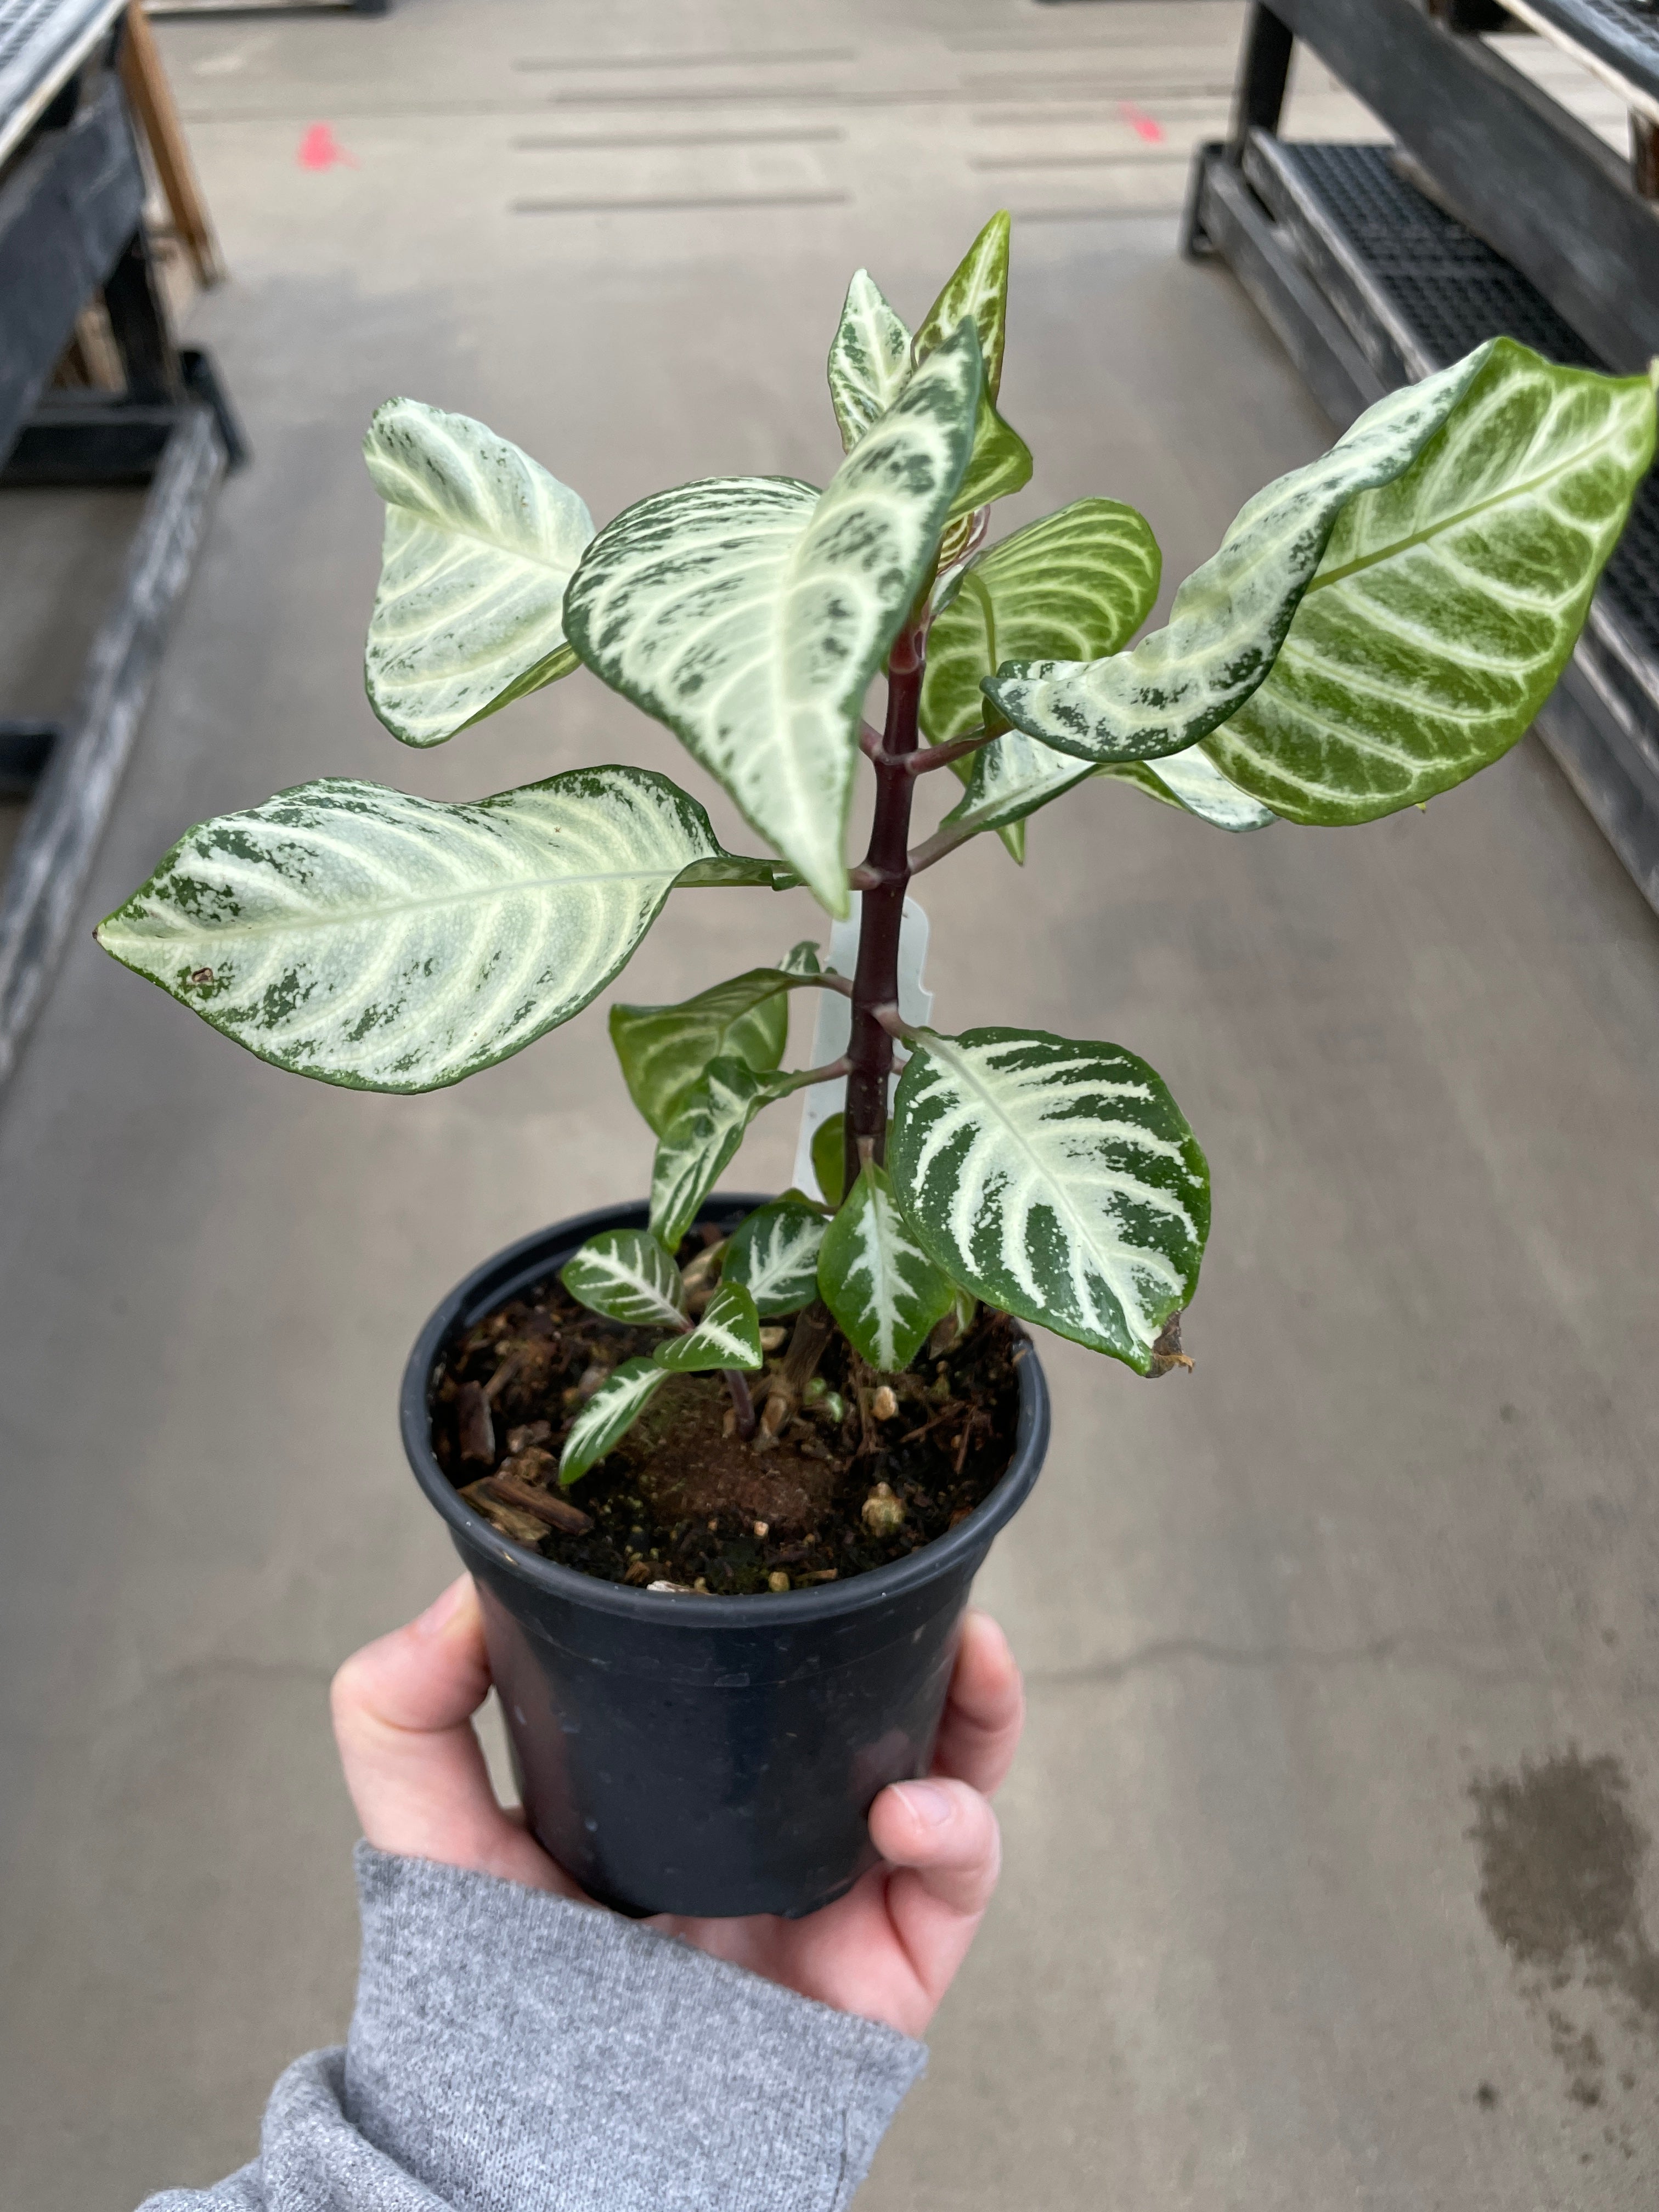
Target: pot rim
514, 1268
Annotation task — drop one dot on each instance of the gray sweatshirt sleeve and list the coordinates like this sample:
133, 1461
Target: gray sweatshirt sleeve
512, 2052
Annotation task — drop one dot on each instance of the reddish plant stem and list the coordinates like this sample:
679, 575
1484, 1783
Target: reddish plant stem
885, 873
742, 1399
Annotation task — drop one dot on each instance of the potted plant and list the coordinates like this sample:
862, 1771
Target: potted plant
724, 1467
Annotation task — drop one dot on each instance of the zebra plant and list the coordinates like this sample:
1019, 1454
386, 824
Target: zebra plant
1372, 629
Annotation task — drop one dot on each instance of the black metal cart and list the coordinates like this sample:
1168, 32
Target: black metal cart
1495, 211
71, 228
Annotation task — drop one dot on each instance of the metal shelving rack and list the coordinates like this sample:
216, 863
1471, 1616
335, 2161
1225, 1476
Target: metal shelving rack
1368, 282
71, 229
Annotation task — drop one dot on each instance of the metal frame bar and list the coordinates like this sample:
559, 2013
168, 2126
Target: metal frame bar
53, 854
71, 226
1519, 172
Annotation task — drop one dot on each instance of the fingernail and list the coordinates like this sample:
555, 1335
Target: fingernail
442, 1610
931, 1803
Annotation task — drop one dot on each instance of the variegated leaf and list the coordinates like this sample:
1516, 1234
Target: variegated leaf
1228, 619
1192, 782
1012, 777
1447, 602
869, 359
999, 464
480, 543
750, 614
1007, 780
664, 1050
609, 1415
1077, 584
775, 1255
727, 1335
876, 1279
358, 935
976, 290
701, 1140
1057, 1180
626, 1275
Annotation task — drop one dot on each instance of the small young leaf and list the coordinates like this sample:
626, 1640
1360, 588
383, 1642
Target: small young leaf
609, 1415
480, 543
1448, 601
775, 1255
829, 1157
1057, 1180
750, 614
1009, 778
875, 1278
869, 359
665, 1050
626, 1275
977, 289
728, 1335
703, 1136
1077, 584
353, 933
1230, 617
999, 464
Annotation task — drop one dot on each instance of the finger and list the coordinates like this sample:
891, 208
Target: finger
946, 1834
986, 1710
941, 1838
402, 1718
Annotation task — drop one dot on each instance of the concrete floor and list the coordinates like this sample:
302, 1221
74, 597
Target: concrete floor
1328, 1880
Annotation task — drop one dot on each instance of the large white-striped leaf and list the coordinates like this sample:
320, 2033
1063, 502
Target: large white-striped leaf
750, 614
875, 1278
701, 1140
626, 1275
726, 1335
1228, 618
480, 543
664, 1050
774, 1253
365, 938
869, 359
609, 1415
1447, 603
1058, 1180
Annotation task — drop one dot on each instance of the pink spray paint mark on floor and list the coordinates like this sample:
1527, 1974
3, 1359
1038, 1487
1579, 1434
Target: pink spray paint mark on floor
320, 149
1144, 126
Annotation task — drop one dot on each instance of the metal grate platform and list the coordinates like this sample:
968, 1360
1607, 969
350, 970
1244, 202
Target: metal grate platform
1370, 284
42, 44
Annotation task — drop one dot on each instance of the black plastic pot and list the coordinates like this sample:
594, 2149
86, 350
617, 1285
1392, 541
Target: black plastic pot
710, 1755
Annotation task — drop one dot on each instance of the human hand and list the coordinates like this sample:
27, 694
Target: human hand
888, 1950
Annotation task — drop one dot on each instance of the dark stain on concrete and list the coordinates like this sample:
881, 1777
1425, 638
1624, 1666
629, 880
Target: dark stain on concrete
1561, 1856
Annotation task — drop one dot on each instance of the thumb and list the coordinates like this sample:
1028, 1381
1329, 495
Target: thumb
402, 1719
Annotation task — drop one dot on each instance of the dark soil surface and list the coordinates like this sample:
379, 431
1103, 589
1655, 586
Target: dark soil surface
862, 1469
